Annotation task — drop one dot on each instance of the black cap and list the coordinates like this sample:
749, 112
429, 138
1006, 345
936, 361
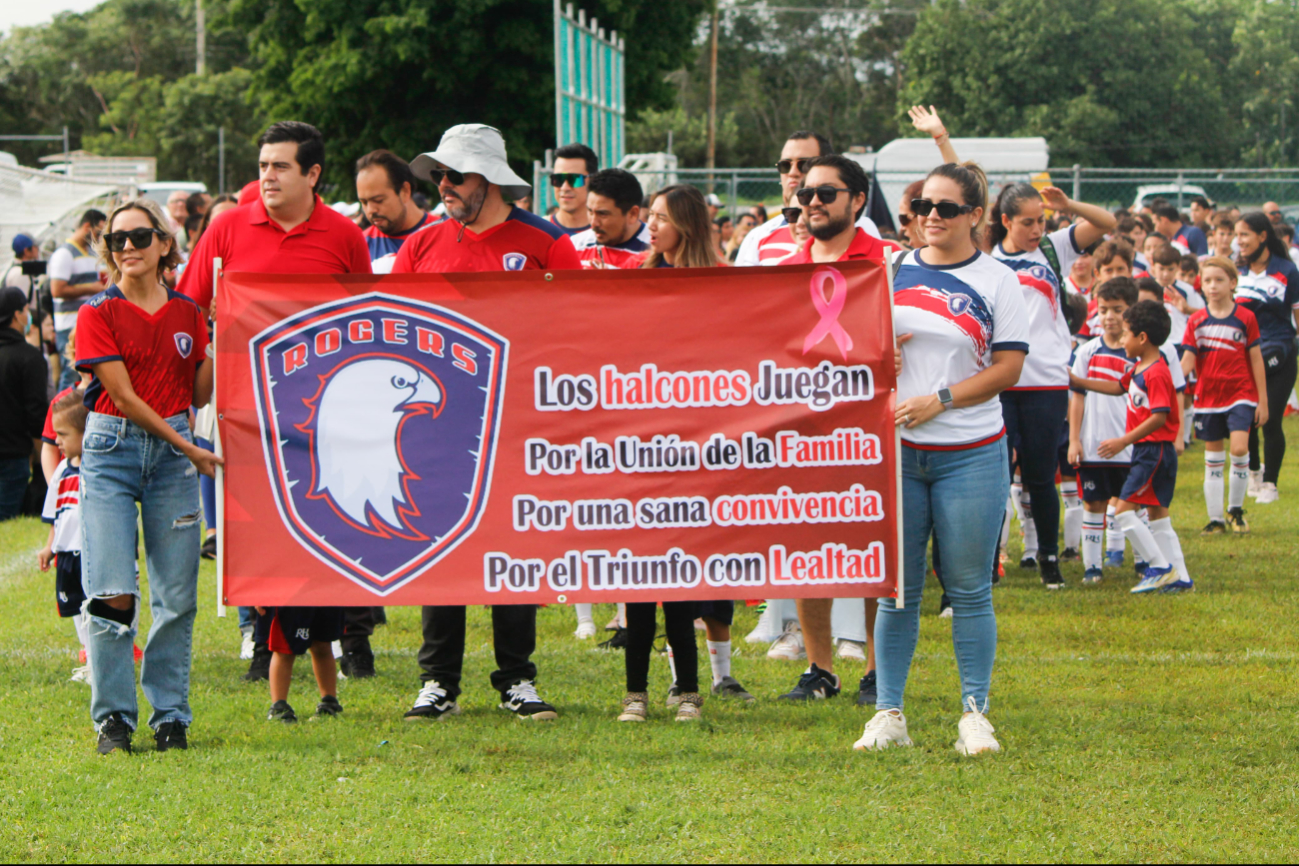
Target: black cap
12, 299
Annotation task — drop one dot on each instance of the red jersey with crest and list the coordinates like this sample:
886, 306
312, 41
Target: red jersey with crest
1149, 392
524, 241
1221, 347
863, 246
628, 254
161, 351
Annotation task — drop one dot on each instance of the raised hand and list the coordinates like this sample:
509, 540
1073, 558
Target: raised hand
927, 121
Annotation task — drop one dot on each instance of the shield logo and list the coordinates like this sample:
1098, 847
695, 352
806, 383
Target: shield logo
379, 420
184, 344
958, 303
514, 261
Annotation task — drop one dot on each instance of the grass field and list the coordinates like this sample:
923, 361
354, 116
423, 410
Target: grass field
1134, 728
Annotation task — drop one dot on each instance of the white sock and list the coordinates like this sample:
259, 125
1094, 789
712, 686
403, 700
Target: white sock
1073, 513
1239, 480
719, 658
1188, 424
1170, 545
583, 613
1213, 463
1093, 526
622, 614
1016, 494
1113, 531
672, 664
1027, 524
81, 624
1143, 540
1005, 524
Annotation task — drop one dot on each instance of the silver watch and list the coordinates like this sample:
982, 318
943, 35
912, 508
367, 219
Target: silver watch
945, 397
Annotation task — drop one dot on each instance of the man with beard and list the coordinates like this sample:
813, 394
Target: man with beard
385, 188
484, 233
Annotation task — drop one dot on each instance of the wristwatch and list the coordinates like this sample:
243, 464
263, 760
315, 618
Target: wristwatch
945, 397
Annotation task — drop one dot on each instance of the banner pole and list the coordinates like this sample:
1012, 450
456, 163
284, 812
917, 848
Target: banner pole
220, 471
897, 452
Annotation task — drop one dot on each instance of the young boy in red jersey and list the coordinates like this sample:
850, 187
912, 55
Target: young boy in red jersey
1221, 343
1153, 421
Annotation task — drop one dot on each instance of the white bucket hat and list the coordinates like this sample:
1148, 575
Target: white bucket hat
474, 148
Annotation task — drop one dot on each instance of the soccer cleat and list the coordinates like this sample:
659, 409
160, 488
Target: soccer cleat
1267, 494
80, 674
260, 667
1179, 585
849, 649
585, 630
635, 707
1051, 576
1236, 520
1139, 568
1028, 561
171, 735
432, 703
1113, 559
208, 550
246, 644
867, 694
886, 728
358, 664
1092, 576
730, 687
789, 646
1214, 527
282, 712
688, 709
1070, 554
522, 700
1155, 578
975, 735
329, 706
814, 683
114, 734
674, 695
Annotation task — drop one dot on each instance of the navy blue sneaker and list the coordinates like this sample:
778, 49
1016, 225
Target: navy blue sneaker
1092, 576
1113, 559
867, 694
815, 683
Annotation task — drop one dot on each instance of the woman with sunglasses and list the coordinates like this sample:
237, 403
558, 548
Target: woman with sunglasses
146, 347
1035, 409
962, 335
1269, 288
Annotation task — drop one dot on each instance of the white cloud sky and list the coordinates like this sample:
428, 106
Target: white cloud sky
23, 13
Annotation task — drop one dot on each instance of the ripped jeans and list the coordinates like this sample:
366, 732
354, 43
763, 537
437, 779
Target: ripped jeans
122, 465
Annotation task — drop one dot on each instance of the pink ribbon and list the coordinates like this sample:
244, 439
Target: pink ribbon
829, 310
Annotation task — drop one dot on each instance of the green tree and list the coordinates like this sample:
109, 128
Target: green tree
1266, 67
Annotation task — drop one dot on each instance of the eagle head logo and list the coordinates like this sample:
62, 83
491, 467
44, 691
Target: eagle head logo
357, 419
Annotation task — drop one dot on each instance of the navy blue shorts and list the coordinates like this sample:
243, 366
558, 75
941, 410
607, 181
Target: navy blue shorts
292, 630
1216, 426
1101, 483
722, 611
1153, 475
68, 593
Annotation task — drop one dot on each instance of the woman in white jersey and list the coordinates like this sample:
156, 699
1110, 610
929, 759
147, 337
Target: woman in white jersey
963, 333
1035, 408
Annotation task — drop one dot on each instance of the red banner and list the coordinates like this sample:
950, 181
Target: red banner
572, 436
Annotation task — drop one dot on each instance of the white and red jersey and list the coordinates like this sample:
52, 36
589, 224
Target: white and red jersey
1149, 392
63, 507
623, 256
1106, 416
772, 242
1225, 378
1179, 319
1047, 366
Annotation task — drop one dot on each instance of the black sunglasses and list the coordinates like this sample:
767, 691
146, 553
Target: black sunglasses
576, 180
905, 219
140, 239
791, 214
786, 164
825, 193
946, 209
436, 175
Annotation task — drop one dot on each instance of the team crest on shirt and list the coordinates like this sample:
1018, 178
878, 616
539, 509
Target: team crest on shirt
184, 344
514, 261
957, 304
379, 418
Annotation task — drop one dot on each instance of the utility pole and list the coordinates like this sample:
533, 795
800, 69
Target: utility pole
200, 27
711, 159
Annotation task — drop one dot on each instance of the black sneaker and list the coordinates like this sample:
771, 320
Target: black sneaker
1028, 562
1236, 520
1070, 554
432, 703
358, 664
260, 667
114, 734
522, 700
1214, 527
282, 712
618, 641
730, 687
208, 550
170, 735
329, 706
1051, 576
866, 693
815, 683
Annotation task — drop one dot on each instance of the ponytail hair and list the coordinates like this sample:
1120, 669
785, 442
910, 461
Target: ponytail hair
973, 182
1259, 224
1008, 203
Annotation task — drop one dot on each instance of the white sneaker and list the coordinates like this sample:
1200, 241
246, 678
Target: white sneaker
246, 647
1267, 494
789, 646
976, 732
850, 649
887, 728
1255, 483
585, 630
80, 675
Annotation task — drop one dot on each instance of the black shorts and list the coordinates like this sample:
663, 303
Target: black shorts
1101, 483
722, 611
68, 592
1067, 469
294, 629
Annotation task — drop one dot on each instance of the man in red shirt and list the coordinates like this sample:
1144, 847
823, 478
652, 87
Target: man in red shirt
484, 233
617, 238
287, 230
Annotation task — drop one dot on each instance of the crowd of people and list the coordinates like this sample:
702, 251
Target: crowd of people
1047, 350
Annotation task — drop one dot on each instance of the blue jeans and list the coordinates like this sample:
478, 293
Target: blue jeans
207, 487
121, 466
67, 372
959, 497
15, 474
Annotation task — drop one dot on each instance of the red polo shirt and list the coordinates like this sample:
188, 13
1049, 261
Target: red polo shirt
863, 246
246, 239
524, 241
